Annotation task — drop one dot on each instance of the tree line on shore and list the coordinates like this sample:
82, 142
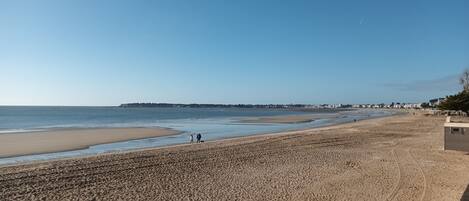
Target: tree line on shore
459, 101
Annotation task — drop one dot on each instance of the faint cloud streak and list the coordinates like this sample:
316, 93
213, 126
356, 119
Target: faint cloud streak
362, 20
448, 83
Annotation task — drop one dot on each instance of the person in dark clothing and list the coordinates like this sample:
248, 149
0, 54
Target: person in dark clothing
191, 137
199, 136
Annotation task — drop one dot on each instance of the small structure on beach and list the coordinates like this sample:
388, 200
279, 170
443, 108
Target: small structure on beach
456, 136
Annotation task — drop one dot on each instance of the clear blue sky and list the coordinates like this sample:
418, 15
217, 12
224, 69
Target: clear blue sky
195, 51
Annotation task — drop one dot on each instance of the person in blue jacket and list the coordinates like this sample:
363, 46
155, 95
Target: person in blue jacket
199, 137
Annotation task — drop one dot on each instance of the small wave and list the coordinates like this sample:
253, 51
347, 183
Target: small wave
20, 131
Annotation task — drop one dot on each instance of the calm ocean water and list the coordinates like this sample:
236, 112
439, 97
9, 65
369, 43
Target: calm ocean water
27, 118
213, 123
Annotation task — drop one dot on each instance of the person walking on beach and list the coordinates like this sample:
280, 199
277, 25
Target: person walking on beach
191, 137
199, 136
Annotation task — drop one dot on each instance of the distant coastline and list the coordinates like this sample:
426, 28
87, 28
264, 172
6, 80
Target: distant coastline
194, 105
291, 107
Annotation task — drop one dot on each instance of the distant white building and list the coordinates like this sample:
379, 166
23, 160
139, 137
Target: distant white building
412, 106
436, 101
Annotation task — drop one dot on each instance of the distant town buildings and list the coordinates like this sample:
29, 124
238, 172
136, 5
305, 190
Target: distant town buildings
390, 106
394, 105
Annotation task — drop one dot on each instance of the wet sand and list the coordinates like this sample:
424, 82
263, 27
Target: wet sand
287, 118
392, 158
18, 144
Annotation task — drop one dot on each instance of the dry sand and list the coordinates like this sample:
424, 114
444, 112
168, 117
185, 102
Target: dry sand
394, 158
17, 144
287, 118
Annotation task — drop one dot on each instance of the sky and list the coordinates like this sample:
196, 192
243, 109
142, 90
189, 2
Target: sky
109, 52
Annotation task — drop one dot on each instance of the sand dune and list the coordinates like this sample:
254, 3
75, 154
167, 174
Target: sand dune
17, 144
394, 158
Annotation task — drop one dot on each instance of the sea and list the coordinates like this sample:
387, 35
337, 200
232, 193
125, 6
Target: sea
212, 123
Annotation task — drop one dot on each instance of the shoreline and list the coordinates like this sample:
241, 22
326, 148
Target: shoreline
286, 119
260, 135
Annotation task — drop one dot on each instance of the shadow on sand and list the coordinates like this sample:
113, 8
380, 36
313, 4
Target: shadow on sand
465, 195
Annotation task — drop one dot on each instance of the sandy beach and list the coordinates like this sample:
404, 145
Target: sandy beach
17, 144
392, 158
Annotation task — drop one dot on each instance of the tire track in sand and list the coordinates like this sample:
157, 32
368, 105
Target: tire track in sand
411, 184
423, 176
396, 187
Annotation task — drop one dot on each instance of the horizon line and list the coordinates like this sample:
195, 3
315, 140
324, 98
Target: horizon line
27, 105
